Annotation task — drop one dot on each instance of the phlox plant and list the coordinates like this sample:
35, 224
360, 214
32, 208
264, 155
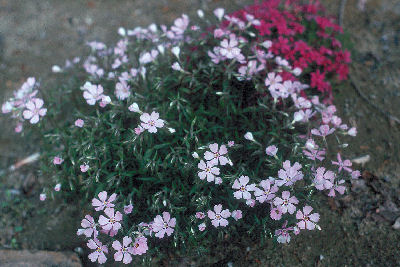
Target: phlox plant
181, 136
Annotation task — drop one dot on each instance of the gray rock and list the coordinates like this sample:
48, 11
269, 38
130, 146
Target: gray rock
25, 258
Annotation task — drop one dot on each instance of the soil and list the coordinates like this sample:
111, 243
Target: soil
357, 228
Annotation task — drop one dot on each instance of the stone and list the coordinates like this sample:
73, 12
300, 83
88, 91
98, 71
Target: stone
26, 258
396, 224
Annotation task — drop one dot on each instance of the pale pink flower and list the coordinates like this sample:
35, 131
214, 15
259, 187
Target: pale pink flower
250, 69
307, 220
229, 47
271, 151
105, 100
163, 225
122, 90
237, 214
42, 197
98, 254
103, 202
343, 164
89, 227
231, 143
113, 220
124, 251
151, 122
79, 123
200, 215
301, 102
202, 227
128, 209
242, 187
57, 187
355, 174
314, 154
218, 180
267, 193
110, 232
18, 128
180, 25
140, 246
218, 216
273, 81
7, 107
323, 131
57, 160
323, 179
286, 203
84, 167
352, 131
337, 187
209, 170
176, 66
139, 130
282, 234
216, 155
276, 213
92, 93
216, 57
34, 110
289, 174
146, 228
250, 202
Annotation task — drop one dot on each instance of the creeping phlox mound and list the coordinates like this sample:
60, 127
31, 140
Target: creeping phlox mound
187, 134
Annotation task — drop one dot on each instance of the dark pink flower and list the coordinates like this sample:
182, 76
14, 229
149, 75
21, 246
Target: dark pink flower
323, 131
200, 215
276, 213
282, 234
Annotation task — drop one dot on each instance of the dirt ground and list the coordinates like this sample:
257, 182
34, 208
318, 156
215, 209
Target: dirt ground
357, 228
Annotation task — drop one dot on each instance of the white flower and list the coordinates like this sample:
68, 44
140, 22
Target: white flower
176, 51
200, 13
56, 69
176, 66
151, 122
249, 136
121, 31
219, 13
195, 155
134, 108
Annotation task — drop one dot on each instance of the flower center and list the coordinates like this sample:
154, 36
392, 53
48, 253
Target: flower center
136, 245
208, 169
112, 220
151, 123
98, 249
218, 216
306, 218
165, 225
216, 155
285, 202
242, 188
